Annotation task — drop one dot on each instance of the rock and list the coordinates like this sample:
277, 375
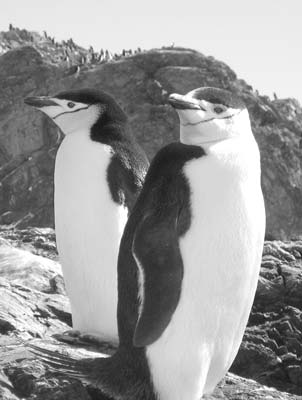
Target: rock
295, 374
31, 378
31, 304
34, 308
141, 83
237, 388
23, 268
39, 241
272, 344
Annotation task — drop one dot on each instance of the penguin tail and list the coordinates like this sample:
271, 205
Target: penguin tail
86, 370
117, 377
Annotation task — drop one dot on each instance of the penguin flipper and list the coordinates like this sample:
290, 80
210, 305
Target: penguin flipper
156, 251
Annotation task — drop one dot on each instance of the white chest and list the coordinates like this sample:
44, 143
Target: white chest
82, 195
89, 225
221, 254
79, 163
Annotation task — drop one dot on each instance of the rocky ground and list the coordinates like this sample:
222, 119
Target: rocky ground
34, 308
33, 64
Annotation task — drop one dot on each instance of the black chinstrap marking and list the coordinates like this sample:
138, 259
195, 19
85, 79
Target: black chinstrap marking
198, 123
208, 120
72, 112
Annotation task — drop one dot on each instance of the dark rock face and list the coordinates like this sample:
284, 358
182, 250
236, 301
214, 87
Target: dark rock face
271, 351
141, 83
34, 306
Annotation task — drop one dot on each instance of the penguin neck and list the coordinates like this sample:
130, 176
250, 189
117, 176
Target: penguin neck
238, 153
231, 146
80, 174
79, 151
82, 134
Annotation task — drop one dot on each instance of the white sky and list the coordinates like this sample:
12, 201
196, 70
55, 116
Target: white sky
259, 39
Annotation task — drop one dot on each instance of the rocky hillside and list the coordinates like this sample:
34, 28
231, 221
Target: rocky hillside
34, 309
32, 64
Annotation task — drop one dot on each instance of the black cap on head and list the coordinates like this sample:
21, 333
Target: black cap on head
218, 96
93, 96
87, 96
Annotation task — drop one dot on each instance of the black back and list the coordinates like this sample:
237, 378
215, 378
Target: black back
129, 164
164, 202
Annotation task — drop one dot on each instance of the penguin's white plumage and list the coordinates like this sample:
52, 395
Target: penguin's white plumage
88, 227
99, 171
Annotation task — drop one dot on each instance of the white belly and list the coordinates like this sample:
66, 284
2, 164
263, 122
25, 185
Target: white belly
221, 254
89, 226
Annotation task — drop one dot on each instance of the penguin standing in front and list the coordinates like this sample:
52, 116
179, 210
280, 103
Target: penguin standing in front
99, 172
189, 259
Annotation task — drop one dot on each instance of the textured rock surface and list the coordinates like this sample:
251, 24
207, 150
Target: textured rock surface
271, 351
141, 82
33, 307
33, 300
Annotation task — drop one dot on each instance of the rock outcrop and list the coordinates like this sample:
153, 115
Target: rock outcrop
271, 351
34, 308
141, 83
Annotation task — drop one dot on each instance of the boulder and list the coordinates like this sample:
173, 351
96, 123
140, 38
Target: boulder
141, 84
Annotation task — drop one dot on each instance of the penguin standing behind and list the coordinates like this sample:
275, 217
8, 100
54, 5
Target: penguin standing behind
99, 172
189, 259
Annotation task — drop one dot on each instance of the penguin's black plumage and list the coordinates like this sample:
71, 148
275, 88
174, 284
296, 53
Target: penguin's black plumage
160, 216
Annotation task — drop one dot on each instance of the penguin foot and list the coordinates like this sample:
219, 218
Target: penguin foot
76, 338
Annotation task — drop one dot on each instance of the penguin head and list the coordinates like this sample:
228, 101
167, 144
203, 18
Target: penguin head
209, 115
78, 110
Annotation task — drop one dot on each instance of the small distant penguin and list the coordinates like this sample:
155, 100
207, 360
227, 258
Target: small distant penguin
99, 172
189, 259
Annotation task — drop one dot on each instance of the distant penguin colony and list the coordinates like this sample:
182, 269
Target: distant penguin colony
189, 259
99, 172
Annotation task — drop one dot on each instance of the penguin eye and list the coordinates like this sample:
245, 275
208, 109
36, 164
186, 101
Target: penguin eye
218, 109
70, 104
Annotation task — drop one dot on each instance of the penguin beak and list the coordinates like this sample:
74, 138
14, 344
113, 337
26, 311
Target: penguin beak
180, 102
40, 101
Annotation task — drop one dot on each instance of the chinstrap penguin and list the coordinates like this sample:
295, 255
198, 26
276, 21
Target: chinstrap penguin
189, 259
99, 172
